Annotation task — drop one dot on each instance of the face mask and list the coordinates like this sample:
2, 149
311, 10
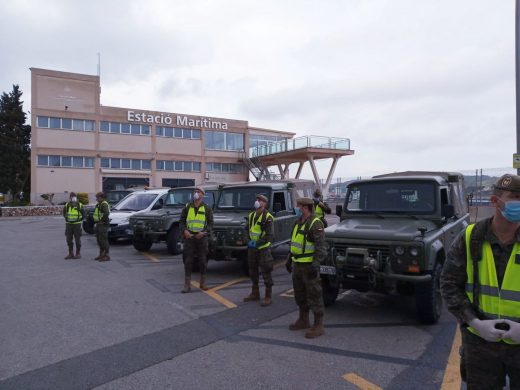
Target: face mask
74, 199
196, 196
298, 211
257, 204
511, 211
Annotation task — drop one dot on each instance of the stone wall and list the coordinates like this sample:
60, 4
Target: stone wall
27, 211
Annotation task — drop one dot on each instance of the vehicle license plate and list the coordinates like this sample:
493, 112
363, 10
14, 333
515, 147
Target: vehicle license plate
327, 270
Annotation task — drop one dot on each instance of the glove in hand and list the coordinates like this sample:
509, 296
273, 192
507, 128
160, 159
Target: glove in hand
486, 329
251, 244
514, 331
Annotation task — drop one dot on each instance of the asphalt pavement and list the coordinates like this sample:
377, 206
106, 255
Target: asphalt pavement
123, 324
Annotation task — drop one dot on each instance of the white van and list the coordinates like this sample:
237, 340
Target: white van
134, 203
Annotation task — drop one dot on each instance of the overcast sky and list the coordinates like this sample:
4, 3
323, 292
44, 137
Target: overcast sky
414, 84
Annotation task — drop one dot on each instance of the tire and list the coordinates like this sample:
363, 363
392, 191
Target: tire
173, 240
142, 244
88, 226
329, 289
428, 299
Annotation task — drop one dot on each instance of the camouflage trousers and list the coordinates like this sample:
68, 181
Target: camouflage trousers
102, 236
307, 287
195, 250
260, 258
484, 364
73, 232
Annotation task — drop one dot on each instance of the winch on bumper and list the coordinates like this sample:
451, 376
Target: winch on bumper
354, 265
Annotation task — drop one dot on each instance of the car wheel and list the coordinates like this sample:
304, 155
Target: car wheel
173, 241
330, 290
428, 299
142, 244
88, 226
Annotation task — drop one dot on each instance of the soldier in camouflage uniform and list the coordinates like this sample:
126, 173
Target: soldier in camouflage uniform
480, 283
74, 214
259, 229
308, 250
196, 224
320, 207
102, 221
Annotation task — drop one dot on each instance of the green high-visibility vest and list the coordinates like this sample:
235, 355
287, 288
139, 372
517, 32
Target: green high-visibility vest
255, 227
301, 250
318, 212
98, 214
196, 220
73, 213
495, 302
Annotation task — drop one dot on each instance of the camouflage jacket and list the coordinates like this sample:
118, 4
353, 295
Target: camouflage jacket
454, 275
267, 228
316, 235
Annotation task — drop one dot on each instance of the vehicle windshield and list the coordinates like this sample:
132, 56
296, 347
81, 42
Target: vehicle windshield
240, 198
178, 198
115, 196
135, 202
407, 197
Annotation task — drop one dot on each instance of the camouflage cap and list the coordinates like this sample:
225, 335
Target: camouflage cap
305, 201
262, 197
200, 189
100, 195
508, 183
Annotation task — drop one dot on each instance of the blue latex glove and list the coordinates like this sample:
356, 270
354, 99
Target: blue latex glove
251, 244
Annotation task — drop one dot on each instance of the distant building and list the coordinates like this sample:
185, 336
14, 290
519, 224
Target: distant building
80, 145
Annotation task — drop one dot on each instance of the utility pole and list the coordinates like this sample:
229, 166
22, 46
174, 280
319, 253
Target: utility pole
517, 73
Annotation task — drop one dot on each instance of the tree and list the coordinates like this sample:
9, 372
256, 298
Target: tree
15, 149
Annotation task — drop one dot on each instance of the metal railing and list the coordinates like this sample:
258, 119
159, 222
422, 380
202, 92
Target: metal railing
307, 141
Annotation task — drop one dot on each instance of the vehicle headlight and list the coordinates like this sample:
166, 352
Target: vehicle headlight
399, 250
414, 251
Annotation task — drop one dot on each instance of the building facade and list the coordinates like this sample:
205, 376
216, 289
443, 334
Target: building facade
80, 145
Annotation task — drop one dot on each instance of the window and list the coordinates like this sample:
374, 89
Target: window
54, 161
178, 166
43, 121
115, 127
89, 125
195, 134
77, 162
135, 129
196, 166
43, 160
66, 161
223, 167
218, 140
168, 132
55, 123
187, 166
186, 133
145, 129
125, 163
104, 126
115, 163
78, 124
136, 164
178, 133
105, 163
125, 128
159, 165
159, 130
66, 123
145, 164
168, 165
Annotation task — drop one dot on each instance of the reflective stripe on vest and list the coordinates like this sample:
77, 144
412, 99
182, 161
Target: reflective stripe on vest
495, 302
196, 221
73, 215
255, 227
98, 215
301, 250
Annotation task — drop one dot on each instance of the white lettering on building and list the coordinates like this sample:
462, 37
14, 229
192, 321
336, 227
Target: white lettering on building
182, 120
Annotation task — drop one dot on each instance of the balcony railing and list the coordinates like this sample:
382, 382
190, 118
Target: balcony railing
308, 141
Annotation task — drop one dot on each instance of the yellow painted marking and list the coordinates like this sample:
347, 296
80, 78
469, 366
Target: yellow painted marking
288, 293
215, 296
360, 382
150, 257
227, 284
452, 380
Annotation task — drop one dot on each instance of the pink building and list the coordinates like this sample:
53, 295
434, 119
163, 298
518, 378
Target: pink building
80, 145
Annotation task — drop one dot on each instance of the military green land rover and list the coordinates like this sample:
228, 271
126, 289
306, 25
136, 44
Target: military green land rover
236, 201
163, 224
393, 236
